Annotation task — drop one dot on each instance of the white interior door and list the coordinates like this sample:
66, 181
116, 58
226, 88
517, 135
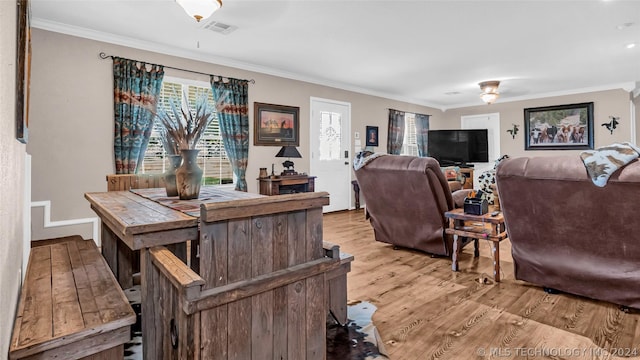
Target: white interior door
491, 122
330, 157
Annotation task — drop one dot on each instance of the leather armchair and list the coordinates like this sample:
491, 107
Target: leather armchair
406, 198
568, 234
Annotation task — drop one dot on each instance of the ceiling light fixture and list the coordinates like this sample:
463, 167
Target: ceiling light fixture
631, 45
489, 91
200, 9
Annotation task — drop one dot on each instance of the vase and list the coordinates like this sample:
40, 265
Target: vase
189, 175
263, 173
170, 175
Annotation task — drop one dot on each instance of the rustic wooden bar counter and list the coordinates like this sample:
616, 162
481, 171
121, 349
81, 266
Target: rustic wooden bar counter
263, 290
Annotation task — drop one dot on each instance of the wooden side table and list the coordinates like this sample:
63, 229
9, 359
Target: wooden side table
279, 185
467, 227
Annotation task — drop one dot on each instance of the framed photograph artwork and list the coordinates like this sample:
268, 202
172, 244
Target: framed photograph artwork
23, 71
562, 127
372, 136
276, 125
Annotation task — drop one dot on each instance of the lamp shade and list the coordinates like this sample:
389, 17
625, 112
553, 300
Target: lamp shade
200, 9
288, 152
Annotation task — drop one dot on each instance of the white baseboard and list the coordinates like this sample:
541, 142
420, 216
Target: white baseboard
95, 221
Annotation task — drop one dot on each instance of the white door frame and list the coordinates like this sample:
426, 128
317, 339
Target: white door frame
347, 128
493, 123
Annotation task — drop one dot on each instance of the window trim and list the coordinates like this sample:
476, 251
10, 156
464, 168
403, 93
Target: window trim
205, 85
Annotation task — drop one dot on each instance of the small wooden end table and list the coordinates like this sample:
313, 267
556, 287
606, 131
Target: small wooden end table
467, 227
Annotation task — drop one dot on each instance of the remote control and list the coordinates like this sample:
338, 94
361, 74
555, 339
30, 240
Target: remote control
495, 213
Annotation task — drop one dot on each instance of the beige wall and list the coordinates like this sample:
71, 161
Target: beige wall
11, 179
72, 119
606, 103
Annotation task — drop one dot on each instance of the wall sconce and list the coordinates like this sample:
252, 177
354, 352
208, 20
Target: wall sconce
489, 91
611, 125
200, 9
513, 131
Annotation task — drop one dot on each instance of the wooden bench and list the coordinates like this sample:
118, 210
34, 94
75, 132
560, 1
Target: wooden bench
71, 306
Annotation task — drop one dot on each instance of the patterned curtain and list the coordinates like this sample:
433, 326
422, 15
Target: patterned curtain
231, 100
135, 97
422, 134
396, 132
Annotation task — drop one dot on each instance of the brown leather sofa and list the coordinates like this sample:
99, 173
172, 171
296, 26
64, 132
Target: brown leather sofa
406, 198
570, 235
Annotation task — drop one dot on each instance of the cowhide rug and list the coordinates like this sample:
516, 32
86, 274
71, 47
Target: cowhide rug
358, 340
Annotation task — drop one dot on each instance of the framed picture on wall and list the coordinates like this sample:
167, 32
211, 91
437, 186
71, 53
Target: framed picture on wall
561, 127
372, 136
23, 70
276, 125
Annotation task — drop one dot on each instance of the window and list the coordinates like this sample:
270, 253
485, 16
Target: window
212, 157
409, 145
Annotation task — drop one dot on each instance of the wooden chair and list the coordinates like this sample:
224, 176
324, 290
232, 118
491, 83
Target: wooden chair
123, 182
125, 256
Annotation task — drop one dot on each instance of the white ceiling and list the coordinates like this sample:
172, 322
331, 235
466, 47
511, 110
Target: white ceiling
426, 52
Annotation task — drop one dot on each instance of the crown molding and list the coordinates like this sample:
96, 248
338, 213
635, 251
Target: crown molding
209, 58
626, 86
217, 60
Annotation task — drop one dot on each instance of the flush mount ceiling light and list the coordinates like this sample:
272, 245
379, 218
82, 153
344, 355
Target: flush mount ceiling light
200, 9
489, 91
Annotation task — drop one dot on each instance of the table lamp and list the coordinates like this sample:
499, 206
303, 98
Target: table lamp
288, 152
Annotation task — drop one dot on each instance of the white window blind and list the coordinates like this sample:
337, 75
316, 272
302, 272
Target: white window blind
212, 157
410, 145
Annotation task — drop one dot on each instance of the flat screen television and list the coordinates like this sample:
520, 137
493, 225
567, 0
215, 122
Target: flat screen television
458, 147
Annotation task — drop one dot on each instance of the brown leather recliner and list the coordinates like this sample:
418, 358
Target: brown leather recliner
406, 198
570, 235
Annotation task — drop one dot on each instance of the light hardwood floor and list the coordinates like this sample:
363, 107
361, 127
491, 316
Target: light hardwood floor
426, 311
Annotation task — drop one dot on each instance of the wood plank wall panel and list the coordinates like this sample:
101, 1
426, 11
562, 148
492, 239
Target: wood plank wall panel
239, 268
314, 234
280, 304
271, 319
296, 302
239, 329
296, 237
262, 305
316, 313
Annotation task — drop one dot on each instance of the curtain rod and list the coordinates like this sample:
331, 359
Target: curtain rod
105, 56
412, 112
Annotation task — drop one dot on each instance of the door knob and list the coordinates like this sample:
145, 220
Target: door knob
346, 163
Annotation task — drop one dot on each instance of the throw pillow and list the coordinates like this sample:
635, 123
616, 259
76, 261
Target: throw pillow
602, 162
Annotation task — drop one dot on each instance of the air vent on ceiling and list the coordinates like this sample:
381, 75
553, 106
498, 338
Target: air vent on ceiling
219, 27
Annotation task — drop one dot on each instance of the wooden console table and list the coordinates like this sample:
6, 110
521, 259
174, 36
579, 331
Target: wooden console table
279, 185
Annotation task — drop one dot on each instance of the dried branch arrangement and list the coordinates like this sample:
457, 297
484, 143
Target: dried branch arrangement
182, 128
